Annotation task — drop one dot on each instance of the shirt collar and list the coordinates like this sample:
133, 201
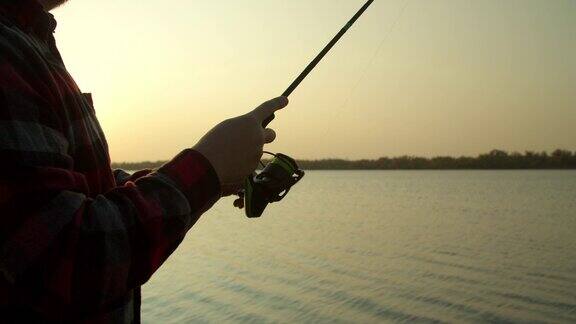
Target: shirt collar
29, 15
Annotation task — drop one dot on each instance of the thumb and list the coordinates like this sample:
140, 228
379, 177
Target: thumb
268, 108
269, 135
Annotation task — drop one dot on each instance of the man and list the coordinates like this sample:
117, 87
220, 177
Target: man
76, 239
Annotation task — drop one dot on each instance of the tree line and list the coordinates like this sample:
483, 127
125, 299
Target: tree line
495, 159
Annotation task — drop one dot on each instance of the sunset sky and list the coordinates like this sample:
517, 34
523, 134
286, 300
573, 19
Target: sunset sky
451, 77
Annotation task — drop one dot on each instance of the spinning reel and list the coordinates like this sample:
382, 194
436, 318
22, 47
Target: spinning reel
271, 185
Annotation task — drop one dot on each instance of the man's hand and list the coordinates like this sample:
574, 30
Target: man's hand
234, 147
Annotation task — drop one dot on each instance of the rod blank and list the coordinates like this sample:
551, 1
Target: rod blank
325, 51
320, 56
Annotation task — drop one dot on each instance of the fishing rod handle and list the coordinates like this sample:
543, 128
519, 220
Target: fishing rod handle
268, 120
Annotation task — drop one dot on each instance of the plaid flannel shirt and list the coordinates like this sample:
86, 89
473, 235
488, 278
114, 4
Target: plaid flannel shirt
77, 240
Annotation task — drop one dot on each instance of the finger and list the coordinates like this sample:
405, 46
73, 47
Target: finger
239, 203
268, 108
269, 135
229, 189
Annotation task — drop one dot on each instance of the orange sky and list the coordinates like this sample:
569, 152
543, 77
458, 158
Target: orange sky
453, 77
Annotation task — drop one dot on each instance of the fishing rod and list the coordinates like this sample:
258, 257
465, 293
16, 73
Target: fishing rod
274, 182
320, 56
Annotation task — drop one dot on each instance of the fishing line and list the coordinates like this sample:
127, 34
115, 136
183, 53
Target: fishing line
320, 56
379, 49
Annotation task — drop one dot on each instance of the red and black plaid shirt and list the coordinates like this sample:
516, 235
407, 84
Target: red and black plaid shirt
76, 239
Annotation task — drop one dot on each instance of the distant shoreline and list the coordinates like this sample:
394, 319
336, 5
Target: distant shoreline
494, 160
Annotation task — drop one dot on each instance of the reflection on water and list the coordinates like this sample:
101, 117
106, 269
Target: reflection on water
381, 246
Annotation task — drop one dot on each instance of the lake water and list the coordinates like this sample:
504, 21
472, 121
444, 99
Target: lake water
382, 246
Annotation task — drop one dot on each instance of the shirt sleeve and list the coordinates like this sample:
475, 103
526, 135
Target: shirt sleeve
121, 177
61, 249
